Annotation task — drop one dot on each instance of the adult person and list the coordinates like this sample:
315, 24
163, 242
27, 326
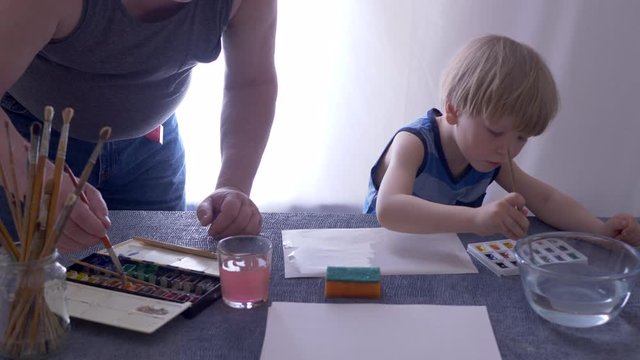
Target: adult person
126, 64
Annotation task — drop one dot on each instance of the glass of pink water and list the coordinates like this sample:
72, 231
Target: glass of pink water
245, 269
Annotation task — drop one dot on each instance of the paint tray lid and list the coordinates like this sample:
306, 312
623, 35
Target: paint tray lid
154, 251
125, 311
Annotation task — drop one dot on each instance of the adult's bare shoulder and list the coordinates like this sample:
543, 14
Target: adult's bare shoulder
261, 12
249, 41
70, 13
234, 7
26, 26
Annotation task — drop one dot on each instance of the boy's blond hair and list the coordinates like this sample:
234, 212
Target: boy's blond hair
495, 77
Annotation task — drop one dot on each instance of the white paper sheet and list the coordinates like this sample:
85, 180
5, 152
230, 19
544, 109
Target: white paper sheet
307, 253
378, 331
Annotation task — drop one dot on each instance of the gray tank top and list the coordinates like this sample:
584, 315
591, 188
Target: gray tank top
115, 70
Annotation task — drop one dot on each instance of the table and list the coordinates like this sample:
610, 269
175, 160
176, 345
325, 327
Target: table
220, 332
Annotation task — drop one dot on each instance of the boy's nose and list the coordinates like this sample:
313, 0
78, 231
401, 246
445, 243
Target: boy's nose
502, 149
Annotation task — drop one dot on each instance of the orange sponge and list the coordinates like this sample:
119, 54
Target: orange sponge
352, 282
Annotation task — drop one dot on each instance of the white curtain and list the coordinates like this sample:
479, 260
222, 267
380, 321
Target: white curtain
353, 71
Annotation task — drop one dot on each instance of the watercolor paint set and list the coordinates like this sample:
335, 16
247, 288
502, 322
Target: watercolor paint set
162, 284
499, 255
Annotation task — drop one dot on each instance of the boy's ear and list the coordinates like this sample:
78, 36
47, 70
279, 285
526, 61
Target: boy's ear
451, 114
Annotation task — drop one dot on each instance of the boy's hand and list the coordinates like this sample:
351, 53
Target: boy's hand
623, 227
507, 216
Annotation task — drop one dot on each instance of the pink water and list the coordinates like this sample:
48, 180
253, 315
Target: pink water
245, 282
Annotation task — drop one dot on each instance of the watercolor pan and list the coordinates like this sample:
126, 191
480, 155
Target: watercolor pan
499, 255
174, 283
178, 284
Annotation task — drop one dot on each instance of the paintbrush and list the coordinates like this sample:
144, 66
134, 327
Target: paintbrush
105, 239
511, 175
510, 168
11, 189
177, 248
40, 171
52, 238
61, 154
36, 132
7, 242
114, 258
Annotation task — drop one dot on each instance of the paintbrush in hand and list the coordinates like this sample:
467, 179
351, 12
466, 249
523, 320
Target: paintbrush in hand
105, 134
510, 168
52, 236
105, 239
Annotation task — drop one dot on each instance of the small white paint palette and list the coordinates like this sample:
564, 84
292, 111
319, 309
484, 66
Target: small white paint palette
499, 255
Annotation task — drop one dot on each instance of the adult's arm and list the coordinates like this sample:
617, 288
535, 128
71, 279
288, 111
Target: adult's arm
250, 92
26, 26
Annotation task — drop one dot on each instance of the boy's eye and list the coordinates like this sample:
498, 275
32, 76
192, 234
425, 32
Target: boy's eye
495, 133
522, 138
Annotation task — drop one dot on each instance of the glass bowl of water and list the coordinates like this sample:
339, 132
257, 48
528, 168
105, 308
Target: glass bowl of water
577, 279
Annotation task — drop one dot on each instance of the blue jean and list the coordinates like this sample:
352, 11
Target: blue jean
133, 174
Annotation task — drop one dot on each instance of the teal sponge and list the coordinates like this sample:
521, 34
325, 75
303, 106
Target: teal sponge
355, 274
352, 282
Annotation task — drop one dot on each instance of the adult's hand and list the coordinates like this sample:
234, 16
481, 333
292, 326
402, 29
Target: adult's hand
229, 211
87, 223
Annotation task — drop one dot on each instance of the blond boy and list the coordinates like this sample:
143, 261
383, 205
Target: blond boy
432, 176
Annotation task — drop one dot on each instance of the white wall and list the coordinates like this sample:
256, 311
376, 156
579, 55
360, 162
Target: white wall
352, 71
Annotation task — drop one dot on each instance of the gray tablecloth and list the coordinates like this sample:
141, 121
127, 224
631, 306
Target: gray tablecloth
220, 332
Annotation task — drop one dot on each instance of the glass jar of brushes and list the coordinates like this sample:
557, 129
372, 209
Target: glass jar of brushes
34, 317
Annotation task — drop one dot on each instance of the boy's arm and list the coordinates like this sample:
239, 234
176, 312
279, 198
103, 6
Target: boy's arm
551, 205
624, 227
563, 212
397, 209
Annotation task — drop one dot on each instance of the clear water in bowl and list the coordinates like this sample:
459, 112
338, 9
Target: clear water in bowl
577, 303
588, 285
